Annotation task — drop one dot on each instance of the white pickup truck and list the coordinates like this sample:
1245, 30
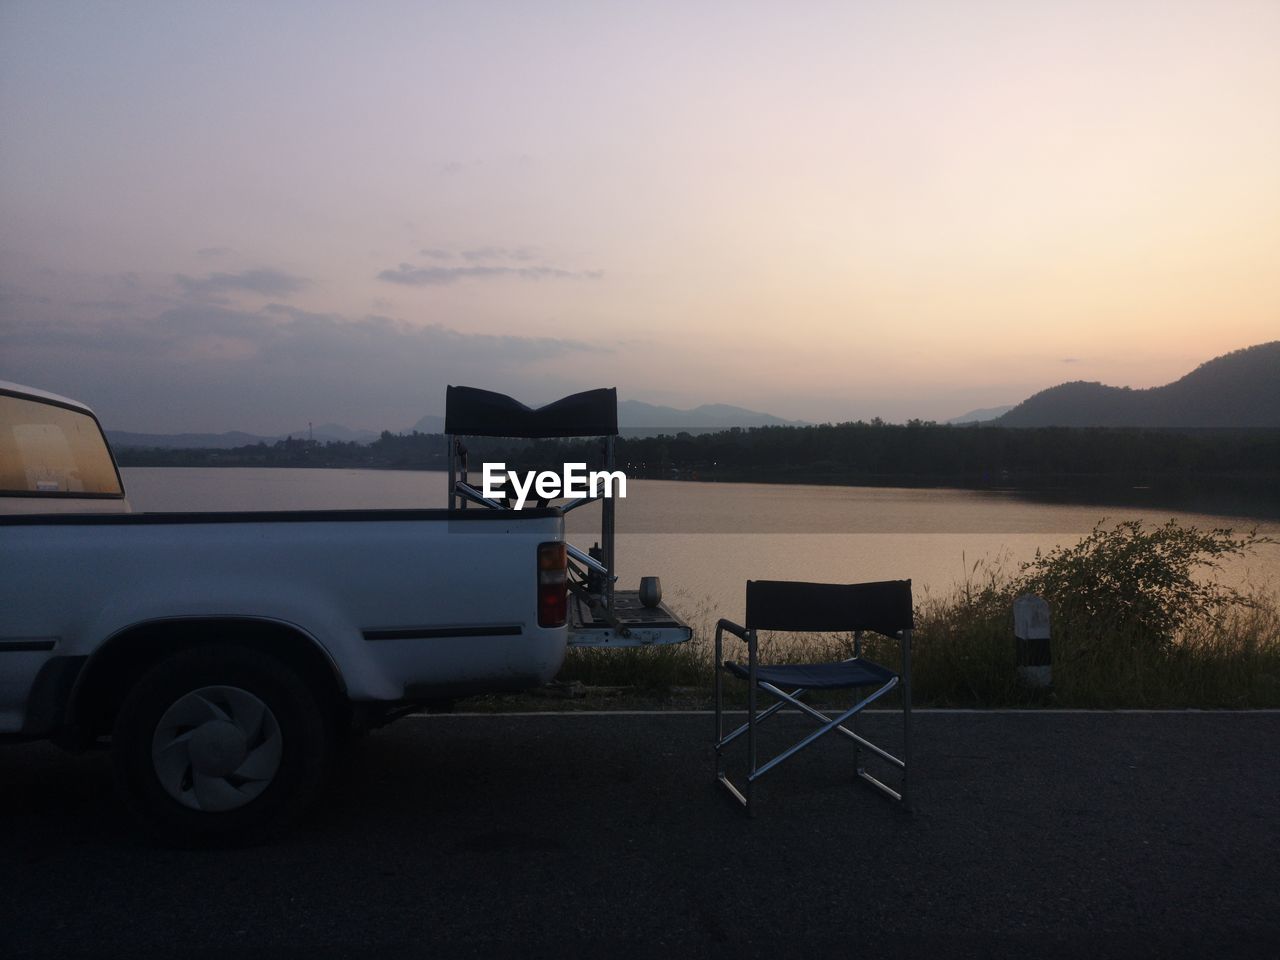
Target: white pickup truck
221, 653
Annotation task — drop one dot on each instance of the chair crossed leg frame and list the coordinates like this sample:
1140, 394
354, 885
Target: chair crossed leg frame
827, 724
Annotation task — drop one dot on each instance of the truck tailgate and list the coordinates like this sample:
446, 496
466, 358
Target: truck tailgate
637, 625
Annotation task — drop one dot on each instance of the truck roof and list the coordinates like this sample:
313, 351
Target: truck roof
19, 390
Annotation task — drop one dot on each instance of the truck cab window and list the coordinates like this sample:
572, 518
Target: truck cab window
49, 449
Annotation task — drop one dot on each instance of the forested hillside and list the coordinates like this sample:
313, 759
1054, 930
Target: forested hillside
1239, 389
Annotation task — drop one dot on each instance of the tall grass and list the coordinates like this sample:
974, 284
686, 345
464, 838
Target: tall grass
1136, 623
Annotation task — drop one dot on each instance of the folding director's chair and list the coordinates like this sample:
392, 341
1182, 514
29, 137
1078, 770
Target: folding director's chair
883, 607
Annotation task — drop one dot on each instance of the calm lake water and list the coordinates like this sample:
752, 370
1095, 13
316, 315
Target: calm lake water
705, 540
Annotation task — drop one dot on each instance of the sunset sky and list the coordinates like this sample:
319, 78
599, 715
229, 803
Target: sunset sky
219, 216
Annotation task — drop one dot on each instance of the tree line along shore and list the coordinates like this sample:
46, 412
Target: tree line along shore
835, 453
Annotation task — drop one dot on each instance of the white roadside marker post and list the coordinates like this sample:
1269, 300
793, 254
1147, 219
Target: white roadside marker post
1031, 634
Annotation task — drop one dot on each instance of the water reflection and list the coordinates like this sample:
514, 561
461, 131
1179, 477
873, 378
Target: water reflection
706, 539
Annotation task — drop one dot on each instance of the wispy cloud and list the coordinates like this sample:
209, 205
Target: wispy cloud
264, 282
202, 365
492, 255
497, 253
412, 276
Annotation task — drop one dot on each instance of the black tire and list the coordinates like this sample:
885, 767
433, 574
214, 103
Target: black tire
299, 753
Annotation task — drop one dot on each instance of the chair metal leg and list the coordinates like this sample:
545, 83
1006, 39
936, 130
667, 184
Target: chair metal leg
734, 734
719, 698
829, 724
853, 723
721, 740
882, 787
752, 664
819, 715
906, 719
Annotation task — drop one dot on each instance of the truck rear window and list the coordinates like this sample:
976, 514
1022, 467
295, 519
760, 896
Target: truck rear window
51, 450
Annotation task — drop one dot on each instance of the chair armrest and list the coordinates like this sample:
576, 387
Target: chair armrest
738, 631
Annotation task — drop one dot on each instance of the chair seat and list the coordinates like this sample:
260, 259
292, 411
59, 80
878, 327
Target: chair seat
818, 676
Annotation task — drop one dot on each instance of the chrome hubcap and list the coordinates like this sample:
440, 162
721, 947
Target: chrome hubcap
216, 749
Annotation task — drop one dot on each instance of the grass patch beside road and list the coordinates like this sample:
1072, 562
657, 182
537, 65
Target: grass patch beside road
1138, 622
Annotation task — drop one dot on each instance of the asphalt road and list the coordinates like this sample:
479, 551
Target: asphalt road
1096, 835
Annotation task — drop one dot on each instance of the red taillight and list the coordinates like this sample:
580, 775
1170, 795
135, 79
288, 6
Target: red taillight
553, 594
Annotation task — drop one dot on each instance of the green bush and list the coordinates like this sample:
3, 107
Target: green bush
1133, 585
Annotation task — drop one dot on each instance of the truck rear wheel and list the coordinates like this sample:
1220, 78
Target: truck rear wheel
218, 743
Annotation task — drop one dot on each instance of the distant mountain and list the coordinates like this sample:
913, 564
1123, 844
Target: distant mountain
1239, 389
336, 431
636, 418
981, 415
183, 441
429, 424
719, 416
235, 438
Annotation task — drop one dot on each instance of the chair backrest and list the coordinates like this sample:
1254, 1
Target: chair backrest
884, 607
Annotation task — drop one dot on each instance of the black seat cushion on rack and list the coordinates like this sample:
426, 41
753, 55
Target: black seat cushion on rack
469, 411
